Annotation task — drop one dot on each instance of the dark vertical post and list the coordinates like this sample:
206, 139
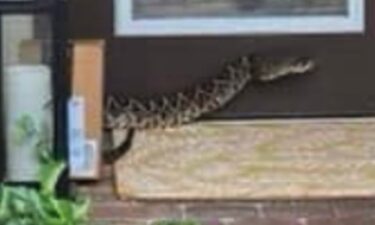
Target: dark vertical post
61, 86
2, 134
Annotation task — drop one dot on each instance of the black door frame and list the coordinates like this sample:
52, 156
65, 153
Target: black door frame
57, 10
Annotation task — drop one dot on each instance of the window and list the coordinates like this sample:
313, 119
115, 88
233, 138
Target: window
221, 17
33, 85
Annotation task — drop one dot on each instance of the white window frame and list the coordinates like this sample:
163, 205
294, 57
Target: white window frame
126, 26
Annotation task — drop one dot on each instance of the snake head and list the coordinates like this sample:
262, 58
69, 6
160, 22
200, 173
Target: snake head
270, 70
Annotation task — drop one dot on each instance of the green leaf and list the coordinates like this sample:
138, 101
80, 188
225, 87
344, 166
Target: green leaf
4, 203
49, 210
49, 176
24, 130
63, 209
40, 208
44, 151
81, 210
19, 200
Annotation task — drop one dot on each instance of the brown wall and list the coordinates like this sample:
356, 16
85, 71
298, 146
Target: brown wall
143, 65
148, 66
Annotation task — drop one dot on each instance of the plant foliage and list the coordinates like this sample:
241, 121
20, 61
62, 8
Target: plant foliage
28, 206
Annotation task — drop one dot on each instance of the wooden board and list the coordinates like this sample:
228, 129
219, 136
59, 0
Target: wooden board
87, 82
243, 160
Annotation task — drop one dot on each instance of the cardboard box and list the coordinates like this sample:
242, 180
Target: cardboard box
87, 83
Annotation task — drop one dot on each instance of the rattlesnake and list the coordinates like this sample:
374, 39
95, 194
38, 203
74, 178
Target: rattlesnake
125, 115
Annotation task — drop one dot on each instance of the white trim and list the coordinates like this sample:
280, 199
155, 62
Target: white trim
126, 26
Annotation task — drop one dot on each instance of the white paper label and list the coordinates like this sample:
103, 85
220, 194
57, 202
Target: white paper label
91, 158
77, 139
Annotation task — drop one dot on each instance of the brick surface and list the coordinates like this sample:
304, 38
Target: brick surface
353, 208
135, 210
354, 220
108, 210
285, 221
120, 222
215, 210
297, 209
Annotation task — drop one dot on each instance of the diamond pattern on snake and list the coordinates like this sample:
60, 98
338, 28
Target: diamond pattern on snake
124, 115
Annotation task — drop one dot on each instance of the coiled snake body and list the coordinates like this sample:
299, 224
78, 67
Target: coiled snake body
125, 115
